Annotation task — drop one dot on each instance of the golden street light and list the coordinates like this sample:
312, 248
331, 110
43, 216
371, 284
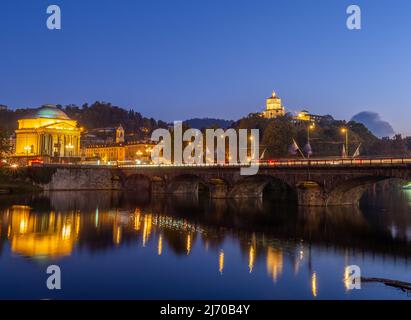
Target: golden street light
69, 148
345, 131
27, 149
309, 128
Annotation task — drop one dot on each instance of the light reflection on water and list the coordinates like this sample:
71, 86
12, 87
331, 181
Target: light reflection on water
114, 245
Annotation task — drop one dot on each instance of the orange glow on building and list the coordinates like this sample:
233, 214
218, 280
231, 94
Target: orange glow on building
47, 133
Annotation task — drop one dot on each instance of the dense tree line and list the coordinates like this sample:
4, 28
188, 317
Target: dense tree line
5, 146
101, 114
326, 138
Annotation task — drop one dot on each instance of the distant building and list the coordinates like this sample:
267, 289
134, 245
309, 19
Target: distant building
139, 151
274, 108
106, 152
110, 135
305, 116
49, 135
3, 107
136, 151
98, 136
120, 134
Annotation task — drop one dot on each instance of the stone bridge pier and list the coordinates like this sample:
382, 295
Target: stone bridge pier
320, 186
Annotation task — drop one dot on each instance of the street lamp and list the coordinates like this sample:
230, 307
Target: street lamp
345, 131
309, 128
139, 153
27, 149
69, 148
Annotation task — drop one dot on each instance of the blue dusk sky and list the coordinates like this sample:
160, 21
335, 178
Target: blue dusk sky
178, 59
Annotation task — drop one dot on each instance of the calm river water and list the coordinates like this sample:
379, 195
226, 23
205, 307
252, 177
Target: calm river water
122, 245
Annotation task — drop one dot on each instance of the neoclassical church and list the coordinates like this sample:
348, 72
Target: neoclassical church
49, 135
274, 107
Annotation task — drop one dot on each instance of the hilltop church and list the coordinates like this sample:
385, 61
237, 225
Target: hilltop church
274, 107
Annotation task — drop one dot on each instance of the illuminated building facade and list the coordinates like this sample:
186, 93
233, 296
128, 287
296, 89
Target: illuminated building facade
48, 134
120, 134
274, 108
305, 116
139, 151
107, 152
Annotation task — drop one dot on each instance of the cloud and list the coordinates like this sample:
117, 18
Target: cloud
374, 123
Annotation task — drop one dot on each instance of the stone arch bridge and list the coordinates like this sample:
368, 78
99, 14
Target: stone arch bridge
309, 184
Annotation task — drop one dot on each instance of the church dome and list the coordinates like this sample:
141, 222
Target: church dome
50, 111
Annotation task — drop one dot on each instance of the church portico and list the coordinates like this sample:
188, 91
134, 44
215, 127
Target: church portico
48, 134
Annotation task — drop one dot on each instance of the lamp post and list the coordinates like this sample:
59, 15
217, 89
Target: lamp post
309, 128
345, 131
27, 149
139, 153
69, 148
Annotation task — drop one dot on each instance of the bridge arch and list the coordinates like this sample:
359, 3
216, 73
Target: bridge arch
137, 182
219, 188
263, 186
349, 192
188, 184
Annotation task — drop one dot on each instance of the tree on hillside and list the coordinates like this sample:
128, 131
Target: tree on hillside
397, 146
102, 114
5, 147
277, 137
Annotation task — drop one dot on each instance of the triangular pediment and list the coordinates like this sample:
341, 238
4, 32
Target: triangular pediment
59, 125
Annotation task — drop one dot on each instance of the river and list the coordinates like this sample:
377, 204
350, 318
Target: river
115, 245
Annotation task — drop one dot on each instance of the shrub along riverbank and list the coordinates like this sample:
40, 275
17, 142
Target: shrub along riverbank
23, 180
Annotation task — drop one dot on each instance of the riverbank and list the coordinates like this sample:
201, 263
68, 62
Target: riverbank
24, 180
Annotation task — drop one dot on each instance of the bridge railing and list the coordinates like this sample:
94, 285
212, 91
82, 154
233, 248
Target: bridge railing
332, 162
317, 162
338, 162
